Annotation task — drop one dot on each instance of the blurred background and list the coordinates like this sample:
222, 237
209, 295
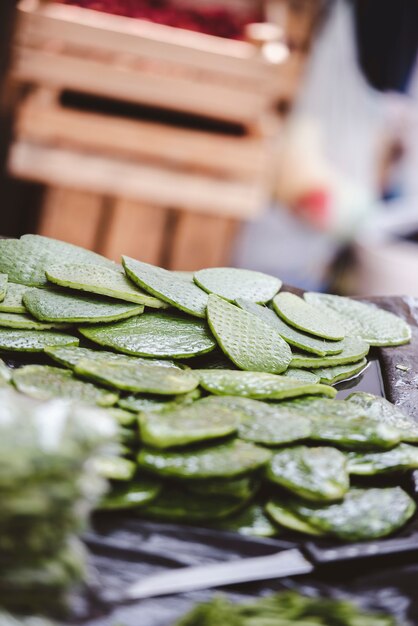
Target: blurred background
277, 135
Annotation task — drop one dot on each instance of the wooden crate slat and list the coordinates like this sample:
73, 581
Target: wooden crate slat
298, 18
291, 76
167, 91
136, 230
156, 42
44, 121
201, 241
143, 182
71, 215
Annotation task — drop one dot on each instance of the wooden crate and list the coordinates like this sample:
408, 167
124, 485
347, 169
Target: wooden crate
166, 193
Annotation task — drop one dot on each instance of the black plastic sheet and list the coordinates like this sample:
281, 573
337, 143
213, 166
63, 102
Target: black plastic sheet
123, 551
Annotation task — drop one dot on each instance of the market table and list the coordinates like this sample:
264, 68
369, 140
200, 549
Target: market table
123, 548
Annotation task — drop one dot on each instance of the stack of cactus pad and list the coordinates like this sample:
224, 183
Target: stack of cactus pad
221, 384
48, 485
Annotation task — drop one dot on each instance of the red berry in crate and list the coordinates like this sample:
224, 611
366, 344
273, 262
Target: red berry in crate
213, 20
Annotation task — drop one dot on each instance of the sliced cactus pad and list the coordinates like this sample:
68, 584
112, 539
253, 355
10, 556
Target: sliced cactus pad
155, 335
101, 280
248, 341
232, 283
307, 317
361, 319
172, 289
56, 306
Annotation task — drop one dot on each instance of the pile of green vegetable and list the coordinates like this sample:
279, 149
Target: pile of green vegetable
48, 484
221, 386
283, 609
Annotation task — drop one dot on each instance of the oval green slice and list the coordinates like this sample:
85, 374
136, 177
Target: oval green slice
155, 335
236, 458
241, 488
332, 375
123, 418
101, 280
400, 459
294, 337
373, 324
313, 407
251, 521
258, 385
363, 514
59, 306
283, 516
138, 377
264, 423
3, 286
305, 376
249, 342
304, 316
199, 422
26, 259
361, 433
13, 302
354, 349
136, 494
71, 356
381, 410
115, 468
317, 474
24, 321
18, 340
154, 404
43, 382
138, 404
181, 293
181, 506
347, 427
231, 283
